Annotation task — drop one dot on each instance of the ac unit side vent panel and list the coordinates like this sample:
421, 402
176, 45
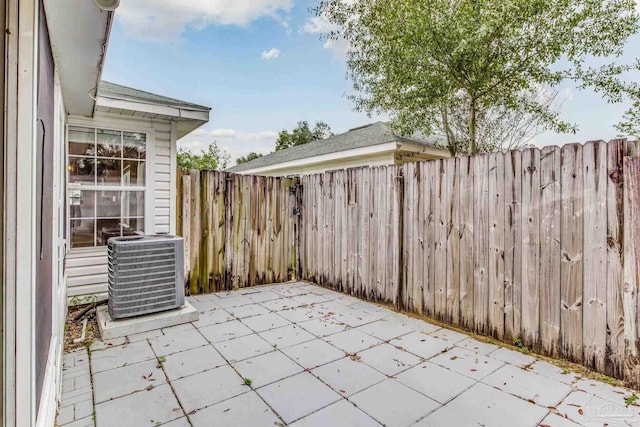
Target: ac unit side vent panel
145, 275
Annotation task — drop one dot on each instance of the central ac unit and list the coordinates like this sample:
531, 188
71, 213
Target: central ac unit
146, 274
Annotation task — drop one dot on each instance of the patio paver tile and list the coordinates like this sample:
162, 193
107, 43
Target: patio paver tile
436, 382
286, 398
554, 372
116, 357
180, 422
192, 361
300, 314
388, 359
413, 323
512, 357
280, 304
591, 410
313, 353
528, 385
555, 420
445, 416
263, 295
452, 337
243, 348
225, 331
342, 413
265, 322
386, 329
241, 411
476, 346
352, 341
267, 368
126, 380
394, 404
248, 310
323, 327
488, 406
176, 341
147, 408
286, 336
212, 317
209, 387
467, 363
421, 345
347, 376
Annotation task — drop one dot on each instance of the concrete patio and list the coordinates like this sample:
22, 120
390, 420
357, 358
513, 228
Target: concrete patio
300, 355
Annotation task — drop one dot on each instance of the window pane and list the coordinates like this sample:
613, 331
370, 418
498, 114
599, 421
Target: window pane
81, 170
81, 141
108, 171
82, 232
109, 143
133, 172
82, 204
106, 229
132, 226
134, 145
132, 203
108, 204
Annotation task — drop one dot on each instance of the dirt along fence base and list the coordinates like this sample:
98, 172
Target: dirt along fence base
537, 246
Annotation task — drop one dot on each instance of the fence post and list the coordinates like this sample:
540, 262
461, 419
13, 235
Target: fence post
400, 243
297, 229
186, 220
631, 272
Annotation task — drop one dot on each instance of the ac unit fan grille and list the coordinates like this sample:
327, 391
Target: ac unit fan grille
145, 275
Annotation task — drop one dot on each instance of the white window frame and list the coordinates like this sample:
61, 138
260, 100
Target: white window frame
149, 199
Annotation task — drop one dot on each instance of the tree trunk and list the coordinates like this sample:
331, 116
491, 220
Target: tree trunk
451, 143
472, 127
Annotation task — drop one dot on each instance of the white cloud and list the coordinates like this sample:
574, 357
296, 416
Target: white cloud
271, 54
164, 20
236, 143
322, 26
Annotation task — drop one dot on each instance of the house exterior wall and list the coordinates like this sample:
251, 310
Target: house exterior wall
87, 267
377, 159
45, 139
392, 153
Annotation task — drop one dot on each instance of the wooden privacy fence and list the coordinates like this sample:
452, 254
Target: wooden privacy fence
238, 230
535, 245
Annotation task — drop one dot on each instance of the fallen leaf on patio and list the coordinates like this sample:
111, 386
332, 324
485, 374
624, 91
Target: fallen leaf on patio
580, 411
453, 357
193, 411
227, 410
473, 370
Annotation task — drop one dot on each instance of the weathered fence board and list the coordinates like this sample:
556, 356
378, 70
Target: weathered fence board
238, 230
614, 364
594, 336
550, 250
537, 246
496, 245
571, 246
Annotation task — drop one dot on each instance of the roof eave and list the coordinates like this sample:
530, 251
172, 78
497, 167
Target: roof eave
188, 118
79, 47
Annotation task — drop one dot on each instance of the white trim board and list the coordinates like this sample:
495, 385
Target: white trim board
20, 214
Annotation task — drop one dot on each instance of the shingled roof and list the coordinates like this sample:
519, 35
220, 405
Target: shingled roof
113, 90
364, 136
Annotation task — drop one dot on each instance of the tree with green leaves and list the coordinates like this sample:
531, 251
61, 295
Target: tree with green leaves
248, 158
303, 134
213, 158
428, 62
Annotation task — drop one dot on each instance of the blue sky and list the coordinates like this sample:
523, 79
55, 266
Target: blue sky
262, 67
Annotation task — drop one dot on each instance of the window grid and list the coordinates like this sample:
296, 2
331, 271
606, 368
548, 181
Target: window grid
96, 188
